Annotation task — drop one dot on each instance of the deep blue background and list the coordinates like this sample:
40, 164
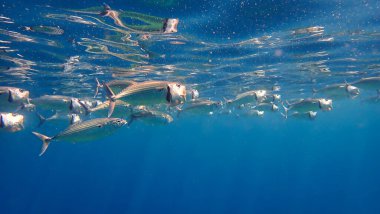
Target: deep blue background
199, 165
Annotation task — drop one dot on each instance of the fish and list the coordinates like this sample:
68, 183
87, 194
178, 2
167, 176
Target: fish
373, 99
337, 91
311, 115
11, 121
148, 93
151, 116
370, 83
13, 94
59, 103
83, 131
50, 30
199, 106
309, 104
266, 106
72, 118
247, 97
254, 112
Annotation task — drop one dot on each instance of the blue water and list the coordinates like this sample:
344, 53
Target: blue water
199, 163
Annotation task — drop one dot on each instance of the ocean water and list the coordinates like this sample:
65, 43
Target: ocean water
223, 160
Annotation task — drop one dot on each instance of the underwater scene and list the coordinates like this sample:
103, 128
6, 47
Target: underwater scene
183, 107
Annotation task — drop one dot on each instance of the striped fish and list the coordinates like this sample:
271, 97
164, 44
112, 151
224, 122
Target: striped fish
83, 131
148, 93
46, 29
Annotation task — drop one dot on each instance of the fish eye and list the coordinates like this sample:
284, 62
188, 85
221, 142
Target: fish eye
21, 90
178, 85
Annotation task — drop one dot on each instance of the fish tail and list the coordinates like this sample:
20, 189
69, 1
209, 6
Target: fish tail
285, 109
314, 91
98, 85
41, 118
110, 95
45, 142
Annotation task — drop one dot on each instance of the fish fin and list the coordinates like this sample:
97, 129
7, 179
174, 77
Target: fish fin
98, 85
45, 142
179, 110
168, 95
285, 109
41, 118
10, 97
314, 91
111, 108
110, 94
19, 108
54, 116
86, 108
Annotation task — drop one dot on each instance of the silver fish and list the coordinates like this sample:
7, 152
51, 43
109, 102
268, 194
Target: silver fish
11, 121
59, 103
13, 94
311, 115
199, 106
306, 105
370, 83
51, 30
247, 97
150, 116
72, 118
266, 106
373, 99
83, 131
148, 93
338, 91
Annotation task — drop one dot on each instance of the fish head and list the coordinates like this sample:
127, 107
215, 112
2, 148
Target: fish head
17, 94
12, 122
194, 94
260, 95
170, 25
276, 97
325, 104
312, 114
260, 113
274, 107
75, 105
74, 118
176, 93
118, 122
352, 90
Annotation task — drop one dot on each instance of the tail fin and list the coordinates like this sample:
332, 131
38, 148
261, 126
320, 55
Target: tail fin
285, 109
314, 91
41, 118
45, 142
98, 85
110, 95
